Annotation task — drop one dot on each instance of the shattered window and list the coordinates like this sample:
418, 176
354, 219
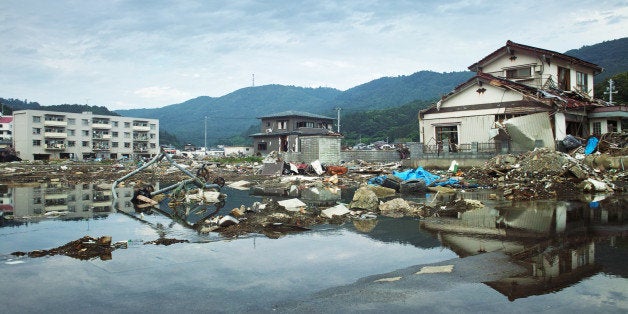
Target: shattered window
563, 78
582, 82
282, 125
447, 135
611, 126
261, 146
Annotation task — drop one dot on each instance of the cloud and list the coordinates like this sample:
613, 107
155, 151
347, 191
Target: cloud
161, 92
131, 52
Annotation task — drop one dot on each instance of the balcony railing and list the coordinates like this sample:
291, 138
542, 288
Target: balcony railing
55, 146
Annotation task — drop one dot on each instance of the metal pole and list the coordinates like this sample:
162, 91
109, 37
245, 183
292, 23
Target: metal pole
205, 135
338, 110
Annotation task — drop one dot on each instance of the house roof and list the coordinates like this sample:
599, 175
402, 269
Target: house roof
293, 113
512, 47
548, 97
301, 132
6, 119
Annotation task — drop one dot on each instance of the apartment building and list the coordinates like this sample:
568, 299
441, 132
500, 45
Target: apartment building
44, 135
6, 131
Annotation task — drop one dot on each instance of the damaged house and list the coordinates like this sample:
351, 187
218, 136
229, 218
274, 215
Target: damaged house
521, 97
297, 132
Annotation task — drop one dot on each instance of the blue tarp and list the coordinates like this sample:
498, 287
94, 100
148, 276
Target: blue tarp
418, 173
377, 180
591, 145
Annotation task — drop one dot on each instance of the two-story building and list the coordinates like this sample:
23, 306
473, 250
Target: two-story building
282, 131
43, 135
521, 96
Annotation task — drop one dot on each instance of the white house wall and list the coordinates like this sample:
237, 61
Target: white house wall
540, 69
470, 96
473, 125
470, 128
497, 67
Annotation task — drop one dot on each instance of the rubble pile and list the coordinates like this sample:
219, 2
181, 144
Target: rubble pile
543, 173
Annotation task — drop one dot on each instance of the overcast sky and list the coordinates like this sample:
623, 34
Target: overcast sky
146, 54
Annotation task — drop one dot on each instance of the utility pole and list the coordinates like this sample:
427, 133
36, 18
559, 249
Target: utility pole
205, 135
338, 112
610, 90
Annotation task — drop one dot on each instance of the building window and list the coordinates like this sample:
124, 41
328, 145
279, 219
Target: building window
261, 146
36, 119
71, 143
582, 82
282, 125
114, 134
153, 126
71, 121
447, 135
127, 145
304, 124
152, 145
71, 132
36, 142
36, 130
127, 124
85, 121
85, 143
597, 128
611, 126
85, 132
114, 144
114, 123
564, 81
519, 73
127, 135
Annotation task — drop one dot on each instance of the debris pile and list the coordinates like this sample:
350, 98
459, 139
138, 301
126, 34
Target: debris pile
543, 173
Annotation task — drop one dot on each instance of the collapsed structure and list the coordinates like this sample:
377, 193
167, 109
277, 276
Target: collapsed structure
520, 98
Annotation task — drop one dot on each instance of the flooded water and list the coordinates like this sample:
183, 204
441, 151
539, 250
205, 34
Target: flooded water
561, 256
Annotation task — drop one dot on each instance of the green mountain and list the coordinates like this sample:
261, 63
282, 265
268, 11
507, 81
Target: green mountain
388, 92
611, 55
11, 104
230, 115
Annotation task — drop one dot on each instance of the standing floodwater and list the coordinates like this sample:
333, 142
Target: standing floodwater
509, 256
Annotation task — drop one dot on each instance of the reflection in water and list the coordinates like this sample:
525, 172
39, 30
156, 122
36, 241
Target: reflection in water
55, 199
555, 241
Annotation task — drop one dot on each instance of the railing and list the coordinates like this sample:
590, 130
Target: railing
497, 147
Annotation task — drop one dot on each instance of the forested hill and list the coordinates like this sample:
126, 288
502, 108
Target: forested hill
389, 92
611, 55
234, 113
231, 114
11, 104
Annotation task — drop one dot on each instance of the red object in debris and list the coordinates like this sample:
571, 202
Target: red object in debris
7, 208
339, 170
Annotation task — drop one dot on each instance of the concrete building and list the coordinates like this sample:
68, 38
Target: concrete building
282, 131
44, 135
6, 131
